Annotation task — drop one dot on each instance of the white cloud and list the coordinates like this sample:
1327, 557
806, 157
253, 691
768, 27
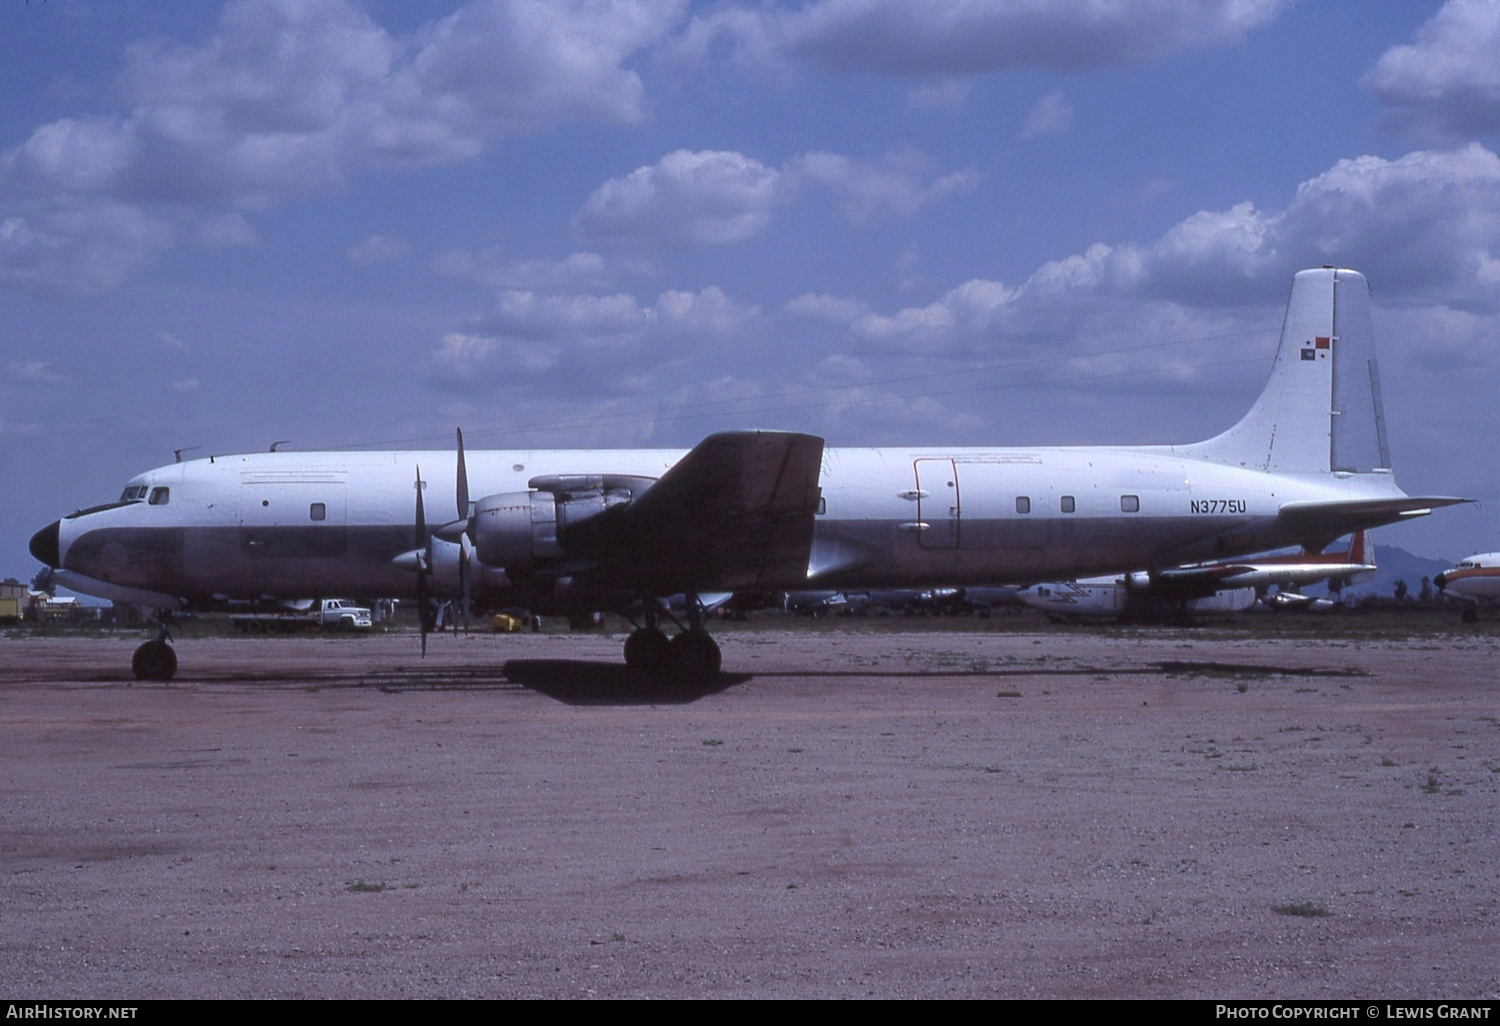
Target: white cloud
708, 197
608, 342
1051, 115
38, 372
378, 249
937, 37
1446, 86
897, 186
717, 197
288, 97
1424, 229
78, 246
506, 66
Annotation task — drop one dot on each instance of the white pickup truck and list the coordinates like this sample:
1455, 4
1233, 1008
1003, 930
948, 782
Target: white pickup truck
332, 614
344, 615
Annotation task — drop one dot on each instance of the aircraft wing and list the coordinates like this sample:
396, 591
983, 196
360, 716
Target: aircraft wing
1260, 574
1305, 567
735, 513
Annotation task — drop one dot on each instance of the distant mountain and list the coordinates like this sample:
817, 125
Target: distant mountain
1396, 564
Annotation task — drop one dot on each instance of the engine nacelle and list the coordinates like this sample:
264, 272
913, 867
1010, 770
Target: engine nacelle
1139, 582
517, 530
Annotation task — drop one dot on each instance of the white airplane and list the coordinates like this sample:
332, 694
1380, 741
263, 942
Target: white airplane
1110, 597
1475, 580
1224, 586
564, 531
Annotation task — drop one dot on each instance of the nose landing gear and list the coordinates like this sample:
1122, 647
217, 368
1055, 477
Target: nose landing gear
156, 660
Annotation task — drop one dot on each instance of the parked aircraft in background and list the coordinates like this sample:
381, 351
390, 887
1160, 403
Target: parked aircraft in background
1475, 580
559, 531
1224, 586
1111, 597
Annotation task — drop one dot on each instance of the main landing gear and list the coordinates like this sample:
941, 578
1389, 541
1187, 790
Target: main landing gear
156, 660
691, 658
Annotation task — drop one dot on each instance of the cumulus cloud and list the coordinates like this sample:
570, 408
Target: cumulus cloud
612, 341
936, 37
79, 246
717, 197
708, 197
897, 186
289, 97
1446, 86
1424, 228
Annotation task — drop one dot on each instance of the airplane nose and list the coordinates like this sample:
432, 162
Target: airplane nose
1440, 580
44, 545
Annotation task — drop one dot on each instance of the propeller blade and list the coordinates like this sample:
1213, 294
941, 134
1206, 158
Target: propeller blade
463, 479
424, 546
466, 546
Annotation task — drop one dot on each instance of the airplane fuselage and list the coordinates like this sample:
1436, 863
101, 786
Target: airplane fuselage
290, 524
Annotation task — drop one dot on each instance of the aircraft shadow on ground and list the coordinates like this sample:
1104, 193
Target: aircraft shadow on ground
581, 682
578, 682
571, 681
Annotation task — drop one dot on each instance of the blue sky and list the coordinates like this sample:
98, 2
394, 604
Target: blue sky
622, 224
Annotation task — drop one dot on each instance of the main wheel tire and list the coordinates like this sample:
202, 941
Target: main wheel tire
154, 660
695, 658
647, 649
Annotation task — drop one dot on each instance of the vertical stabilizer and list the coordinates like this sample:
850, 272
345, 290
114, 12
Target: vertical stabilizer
1321, 410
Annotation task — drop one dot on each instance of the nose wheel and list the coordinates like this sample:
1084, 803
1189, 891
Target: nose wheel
156, 660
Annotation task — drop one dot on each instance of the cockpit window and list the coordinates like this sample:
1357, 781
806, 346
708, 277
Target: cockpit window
161, 496
133, 493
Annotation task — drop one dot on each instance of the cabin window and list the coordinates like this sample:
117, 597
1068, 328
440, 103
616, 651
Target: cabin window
1066, 503
1023, 504
317, 511
161, 496
1130, 504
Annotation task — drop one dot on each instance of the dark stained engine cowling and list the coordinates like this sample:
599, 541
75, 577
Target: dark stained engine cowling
516, 530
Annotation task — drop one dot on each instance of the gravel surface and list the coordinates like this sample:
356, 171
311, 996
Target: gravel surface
861, 813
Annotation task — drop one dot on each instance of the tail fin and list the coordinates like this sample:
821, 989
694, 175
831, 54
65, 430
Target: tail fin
1321, 411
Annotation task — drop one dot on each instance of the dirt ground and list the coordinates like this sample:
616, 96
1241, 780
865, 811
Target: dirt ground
852, 813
